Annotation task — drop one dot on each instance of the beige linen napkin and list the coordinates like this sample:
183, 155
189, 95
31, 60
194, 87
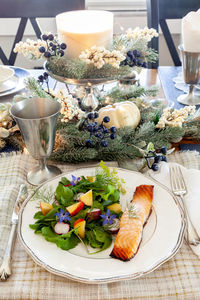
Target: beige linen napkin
191, 199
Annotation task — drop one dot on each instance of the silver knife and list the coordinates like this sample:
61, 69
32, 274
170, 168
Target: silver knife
5, 269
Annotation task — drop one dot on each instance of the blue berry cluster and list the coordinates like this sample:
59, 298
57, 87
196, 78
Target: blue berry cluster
53, 47
134, 58
99, 131
157, 157
44, 78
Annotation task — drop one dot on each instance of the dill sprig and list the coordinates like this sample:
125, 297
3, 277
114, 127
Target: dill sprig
110, 176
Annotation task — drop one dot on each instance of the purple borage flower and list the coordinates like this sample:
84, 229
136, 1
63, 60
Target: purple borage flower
75, 180
62, 216
107, 218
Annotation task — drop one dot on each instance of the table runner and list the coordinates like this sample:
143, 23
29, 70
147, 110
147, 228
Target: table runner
178, 278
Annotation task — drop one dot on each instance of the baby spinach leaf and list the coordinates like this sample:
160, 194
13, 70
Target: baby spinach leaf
64, 194
65, 181
94, 243
104, 238
49, 235
68, 243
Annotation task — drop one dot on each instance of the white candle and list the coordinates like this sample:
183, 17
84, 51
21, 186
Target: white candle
191, 31
83, 29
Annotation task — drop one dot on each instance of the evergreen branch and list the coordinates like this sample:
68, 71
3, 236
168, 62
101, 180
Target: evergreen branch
36, 90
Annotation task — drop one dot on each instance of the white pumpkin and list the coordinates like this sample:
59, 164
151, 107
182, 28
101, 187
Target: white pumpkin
121, 114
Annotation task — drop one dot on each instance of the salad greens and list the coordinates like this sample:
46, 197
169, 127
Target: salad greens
96, 219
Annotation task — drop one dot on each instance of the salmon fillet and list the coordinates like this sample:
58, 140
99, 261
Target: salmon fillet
131, 224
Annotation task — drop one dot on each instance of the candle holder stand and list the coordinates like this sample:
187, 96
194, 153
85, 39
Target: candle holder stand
191, 72
89, 102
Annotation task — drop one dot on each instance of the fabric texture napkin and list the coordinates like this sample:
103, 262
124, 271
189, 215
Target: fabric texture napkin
191, 199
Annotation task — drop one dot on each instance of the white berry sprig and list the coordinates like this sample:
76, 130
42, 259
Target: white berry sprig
99, 56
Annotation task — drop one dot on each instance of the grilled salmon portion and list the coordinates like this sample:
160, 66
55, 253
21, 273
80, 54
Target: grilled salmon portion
131, 224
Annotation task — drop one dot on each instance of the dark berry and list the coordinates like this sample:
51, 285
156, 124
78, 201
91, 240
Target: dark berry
96, 114
144, 64
97, 134
163, 150
45, 75
90, 116
88, 143
51, 37
106, 119
113, 129
41, 78
113, 136
44, 37
42, 49
154, 167
164, 158
136, 53
130, 54
63, 46
51, 44
47, 54
53, 47
104, 143
90, 128
61, 52
157, 158
106, 130
126, 61
139, 62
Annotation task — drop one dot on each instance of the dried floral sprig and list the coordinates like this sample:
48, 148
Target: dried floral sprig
175, 118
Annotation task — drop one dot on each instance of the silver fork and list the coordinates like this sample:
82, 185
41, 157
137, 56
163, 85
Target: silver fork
179, 189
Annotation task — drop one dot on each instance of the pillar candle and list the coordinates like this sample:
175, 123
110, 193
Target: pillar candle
191, 31
83, 29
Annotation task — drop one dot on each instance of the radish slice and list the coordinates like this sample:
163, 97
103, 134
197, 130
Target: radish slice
77, 197
55, 202
93, 214
61, 228
113, 228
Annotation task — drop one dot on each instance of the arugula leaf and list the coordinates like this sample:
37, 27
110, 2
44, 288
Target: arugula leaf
38, 215
80, 215
97, 204
50, 216
64, 195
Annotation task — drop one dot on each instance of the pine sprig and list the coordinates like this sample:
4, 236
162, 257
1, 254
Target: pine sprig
130, 93
77, 69
35, 89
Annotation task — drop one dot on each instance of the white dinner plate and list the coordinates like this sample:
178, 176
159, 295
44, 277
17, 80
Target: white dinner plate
162, 237
5, 73
15, 83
